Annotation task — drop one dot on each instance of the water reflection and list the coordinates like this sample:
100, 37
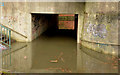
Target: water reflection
56, 56
94, 62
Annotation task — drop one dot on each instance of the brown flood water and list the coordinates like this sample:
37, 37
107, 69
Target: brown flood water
56, 54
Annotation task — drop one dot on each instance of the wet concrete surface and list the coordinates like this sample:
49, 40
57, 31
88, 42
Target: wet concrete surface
56, 54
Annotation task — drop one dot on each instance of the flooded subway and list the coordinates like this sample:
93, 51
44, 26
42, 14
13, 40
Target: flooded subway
54, 44
54, 25
54, 49
59, 37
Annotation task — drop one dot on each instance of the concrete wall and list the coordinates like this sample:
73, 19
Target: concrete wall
101, 26
17, 15
42, 22
100, 22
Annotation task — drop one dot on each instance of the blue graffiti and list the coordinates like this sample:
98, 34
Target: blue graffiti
101, 45
1, 3
97, 30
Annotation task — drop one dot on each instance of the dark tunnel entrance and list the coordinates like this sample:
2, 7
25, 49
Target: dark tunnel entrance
50, 25
54, 40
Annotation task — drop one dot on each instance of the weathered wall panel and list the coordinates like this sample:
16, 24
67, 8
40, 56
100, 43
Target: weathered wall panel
101, 26
101, 22
17, 15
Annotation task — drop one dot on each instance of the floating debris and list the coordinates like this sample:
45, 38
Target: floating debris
105, 63
115, 67
25, 57
62, 59
53, 68
119, 59
70, 71
58, 58
54, 61
60, 55
61, 69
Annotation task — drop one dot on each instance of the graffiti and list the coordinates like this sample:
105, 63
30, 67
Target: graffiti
36, 26
97, 30
10, 19
101, 45
102, 24
1, 3
111, 16
100, 16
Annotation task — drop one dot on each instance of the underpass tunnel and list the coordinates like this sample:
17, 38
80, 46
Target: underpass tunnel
54, 40
54, 25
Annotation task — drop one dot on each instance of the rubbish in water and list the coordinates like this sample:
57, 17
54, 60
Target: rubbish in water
115, 67
25, 57
61, 69
119, 59
62, 59
59, 58
54, 61
53, 68
60, 55
70, 71
67, 70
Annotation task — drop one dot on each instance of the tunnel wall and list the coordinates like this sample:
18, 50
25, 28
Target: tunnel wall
100, 30
42, 22
17, 15
38, 26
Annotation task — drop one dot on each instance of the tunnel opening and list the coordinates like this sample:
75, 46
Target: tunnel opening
54, 36
52, 25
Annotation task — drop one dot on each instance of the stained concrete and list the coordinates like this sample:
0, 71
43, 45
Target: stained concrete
42, 22
101, 27
18, 15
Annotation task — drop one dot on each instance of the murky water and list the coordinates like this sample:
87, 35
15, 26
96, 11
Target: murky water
56, 54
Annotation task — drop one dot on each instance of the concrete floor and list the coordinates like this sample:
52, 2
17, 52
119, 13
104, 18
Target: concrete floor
56, 54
